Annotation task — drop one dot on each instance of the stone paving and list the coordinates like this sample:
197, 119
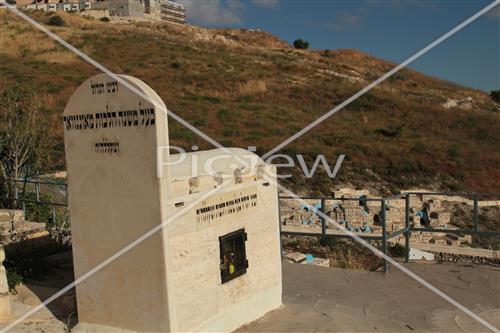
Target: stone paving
319, 299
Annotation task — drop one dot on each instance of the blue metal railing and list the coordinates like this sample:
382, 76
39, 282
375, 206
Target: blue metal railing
384, 237
408, 227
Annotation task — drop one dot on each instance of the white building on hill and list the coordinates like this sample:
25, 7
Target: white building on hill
164, 9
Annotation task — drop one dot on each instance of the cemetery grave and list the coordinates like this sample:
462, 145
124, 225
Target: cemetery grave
214, 268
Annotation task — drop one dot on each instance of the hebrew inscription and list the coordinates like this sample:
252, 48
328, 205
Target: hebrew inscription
228, 204
106, 147
102, 88
110, 119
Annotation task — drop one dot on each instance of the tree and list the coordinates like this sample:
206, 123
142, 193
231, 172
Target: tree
495, 95
23, 131
56, 20
301, 44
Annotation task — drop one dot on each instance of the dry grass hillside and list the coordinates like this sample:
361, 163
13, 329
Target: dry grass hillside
247, 87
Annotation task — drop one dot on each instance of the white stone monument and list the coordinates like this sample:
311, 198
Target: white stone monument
214, 268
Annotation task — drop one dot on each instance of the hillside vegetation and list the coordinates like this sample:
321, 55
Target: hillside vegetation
247, 87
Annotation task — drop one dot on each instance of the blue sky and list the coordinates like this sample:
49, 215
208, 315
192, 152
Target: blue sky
390, 29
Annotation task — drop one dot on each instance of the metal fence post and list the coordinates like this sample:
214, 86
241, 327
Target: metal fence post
16, 196
322, 218
66, 193
476, 213
53, 217
37, 190
384, 234
407, 226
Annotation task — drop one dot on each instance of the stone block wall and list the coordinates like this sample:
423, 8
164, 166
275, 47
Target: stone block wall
395, 216
7, 215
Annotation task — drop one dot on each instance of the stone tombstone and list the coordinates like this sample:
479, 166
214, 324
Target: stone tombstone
214, 268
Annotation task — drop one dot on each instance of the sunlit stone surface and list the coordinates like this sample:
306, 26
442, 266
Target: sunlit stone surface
120, 188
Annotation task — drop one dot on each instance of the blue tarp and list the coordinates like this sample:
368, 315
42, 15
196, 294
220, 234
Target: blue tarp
309, 258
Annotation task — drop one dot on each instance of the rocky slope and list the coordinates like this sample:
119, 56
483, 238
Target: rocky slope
247, 87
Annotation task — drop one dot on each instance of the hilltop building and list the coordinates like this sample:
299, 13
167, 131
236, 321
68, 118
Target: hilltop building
158, 9
122, 8
54, 5
173, 12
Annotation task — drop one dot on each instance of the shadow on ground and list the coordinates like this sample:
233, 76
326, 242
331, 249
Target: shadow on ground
59, 315
323, 299
340, 300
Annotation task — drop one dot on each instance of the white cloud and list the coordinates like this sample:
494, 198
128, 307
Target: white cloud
214, 12
343, 20
266, 3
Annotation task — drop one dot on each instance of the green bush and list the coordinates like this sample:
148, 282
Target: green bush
31, 260
224, 115
253, 136
13, 279
301, 44
230, 132
56, 20
495, 95
397, 250
38, 212
328, 241
213, 100
293, 243
176, 63
390, 132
